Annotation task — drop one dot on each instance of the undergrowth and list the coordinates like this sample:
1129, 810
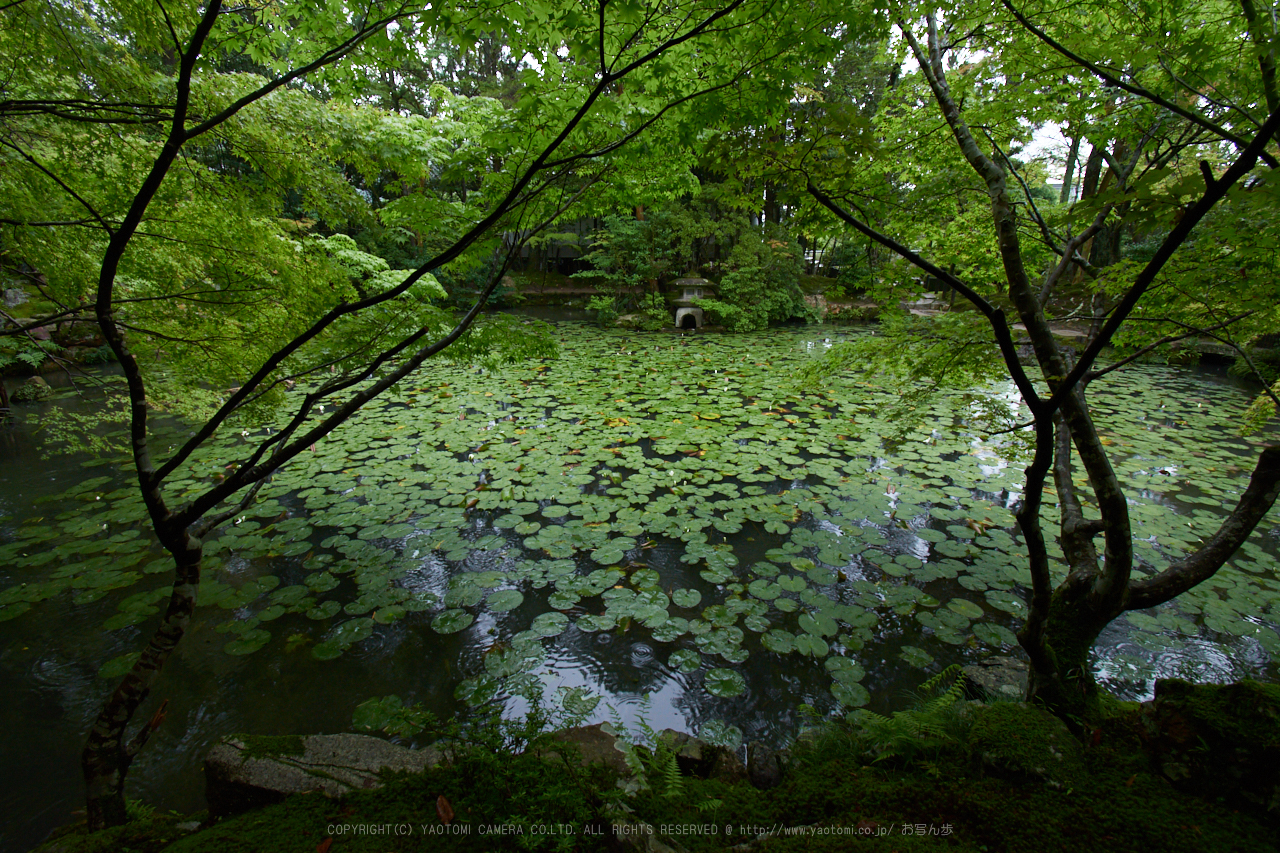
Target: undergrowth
933, 722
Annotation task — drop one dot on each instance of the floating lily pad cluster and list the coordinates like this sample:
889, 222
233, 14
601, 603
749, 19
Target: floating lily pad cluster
681, 491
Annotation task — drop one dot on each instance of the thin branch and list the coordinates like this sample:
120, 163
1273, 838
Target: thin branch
168, 22
1070, 253
20, 224
204, 527
1168, 339
1049, 236
604, 63
995, 316
1014, 428
65, 187
1133, 89
1212, 195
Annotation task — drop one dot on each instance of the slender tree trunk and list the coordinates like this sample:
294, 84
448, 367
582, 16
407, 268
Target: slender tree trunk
772, 212
1263, 44
1069, 173
1089, 188
107, 755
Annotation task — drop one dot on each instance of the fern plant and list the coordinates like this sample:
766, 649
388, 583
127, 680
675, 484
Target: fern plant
650, 755
925, 727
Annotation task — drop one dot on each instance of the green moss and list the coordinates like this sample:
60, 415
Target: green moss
1116, 801
1218, 741
531, 797
32, 308
151, 834
1247, 713
1026, 742
266, 746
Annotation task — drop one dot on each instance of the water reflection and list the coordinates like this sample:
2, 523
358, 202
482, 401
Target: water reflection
48, 665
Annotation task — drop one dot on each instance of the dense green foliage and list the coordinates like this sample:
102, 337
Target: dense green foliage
272, 213
761, 285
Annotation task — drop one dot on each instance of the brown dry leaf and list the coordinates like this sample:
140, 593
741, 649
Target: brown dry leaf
444, 810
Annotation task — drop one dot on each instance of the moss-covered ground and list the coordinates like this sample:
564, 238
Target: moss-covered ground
1005, 782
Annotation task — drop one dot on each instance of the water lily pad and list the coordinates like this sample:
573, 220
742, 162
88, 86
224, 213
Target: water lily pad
812, 645
849, 694
818, 625
965, 608
451, 621
845, 670
248, 642
327, 650
915, 657
685, 597
1006, 601
504, 599
725, 683
792, 583
117, 667
549, 624
779, 641
685, 660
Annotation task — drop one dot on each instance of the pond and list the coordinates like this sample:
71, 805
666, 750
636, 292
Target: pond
648, 515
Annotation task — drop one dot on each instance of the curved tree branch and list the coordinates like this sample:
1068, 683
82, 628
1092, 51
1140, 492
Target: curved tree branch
1257, 500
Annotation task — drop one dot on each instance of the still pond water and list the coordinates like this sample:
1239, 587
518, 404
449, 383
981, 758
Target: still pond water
648, 514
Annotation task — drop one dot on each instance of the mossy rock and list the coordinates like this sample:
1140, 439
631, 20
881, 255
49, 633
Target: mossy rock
245, 772
32, 390
1022, 741
1220, 741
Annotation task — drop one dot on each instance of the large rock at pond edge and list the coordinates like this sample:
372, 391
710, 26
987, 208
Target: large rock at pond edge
596, 747
1219, 741
245, 772
698, 758
999, 675
766, 766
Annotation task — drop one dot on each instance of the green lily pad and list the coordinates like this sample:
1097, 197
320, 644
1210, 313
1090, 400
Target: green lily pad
915, 657
549, 624
811, 645
504, 599
685, 660
248, 642
965, 608
994, 635
685, 597
844, 669
1006, 601
451, 621
779, 641
117, 667
725, 683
